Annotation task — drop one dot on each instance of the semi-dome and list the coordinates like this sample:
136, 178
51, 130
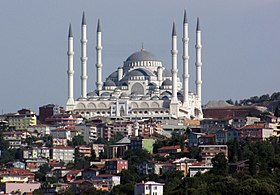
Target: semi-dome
109, 83
123, 94
93, 93
113, 76
105, 94
137, 72
167, 82
142, 55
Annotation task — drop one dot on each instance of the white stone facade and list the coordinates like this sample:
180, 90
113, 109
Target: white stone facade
149, 187
142, 87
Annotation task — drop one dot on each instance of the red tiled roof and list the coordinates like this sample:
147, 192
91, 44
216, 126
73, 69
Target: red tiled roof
63, 147
17, 171
105, 175
79, 181
73, 172
208, 136
170, 147
161, 154
230, 112
253, 127
40, 125
114, 159
197, 163
99, 165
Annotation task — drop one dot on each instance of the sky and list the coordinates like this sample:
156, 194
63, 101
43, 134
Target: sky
240, 38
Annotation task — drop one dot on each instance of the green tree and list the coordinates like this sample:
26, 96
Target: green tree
173, 182
135, 157
277, 112
220, 164
252, 165
93, 155
158, 144
78, 140
128, 176
43, 170
7, 155
230, 101
38, 192
125, 189
93, 191
117, 137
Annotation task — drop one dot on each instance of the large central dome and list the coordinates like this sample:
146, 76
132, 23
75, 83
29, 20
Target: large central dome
142, 59
142, 55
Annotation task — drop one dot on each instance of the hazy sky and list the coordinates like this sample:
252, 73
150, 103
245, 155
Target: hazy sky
241, 44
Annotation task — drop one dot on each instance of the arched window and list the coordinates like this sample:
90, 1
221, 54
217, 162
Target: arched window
138, 89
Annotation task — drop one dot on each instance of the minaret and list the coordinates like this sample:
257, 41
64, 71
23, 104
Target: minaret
185, 62
84, 57
120, 73
198, 62
174, 106
99, 58
70, 72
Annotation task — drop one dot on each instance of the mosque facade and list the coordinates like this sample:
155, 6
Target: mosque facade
142, 87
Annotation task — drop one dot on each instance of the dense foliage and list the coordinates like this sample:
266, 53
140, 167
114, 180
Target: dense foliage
263, 99
220, 180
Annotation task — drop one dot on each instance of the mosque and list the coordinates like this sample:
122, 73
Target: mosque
142, 87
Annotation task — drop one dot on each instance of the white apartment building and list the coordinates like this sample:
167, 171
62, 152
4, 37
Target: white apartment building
149, 187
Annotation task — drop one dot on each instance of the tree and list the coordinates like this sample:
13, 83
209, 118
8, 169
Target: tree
233, 147
193, 153
264, 98
93, 191
93, 155
220, 164
158, 144
38, 192
128, 176
78, 140
277, 112
4, 145
125, 189
81, 162
117, 137
230, 101
173, 181
136, 157
252, 165
43, 170
8, 155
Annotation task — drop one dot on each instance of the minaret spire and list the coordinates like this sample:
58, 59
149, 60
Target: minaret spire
198, 62
84, 58
98, 26
84, 21
174, 105
174, 30
185, 17
99, 58
197, 25
70, 34
70, 72
185, 62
